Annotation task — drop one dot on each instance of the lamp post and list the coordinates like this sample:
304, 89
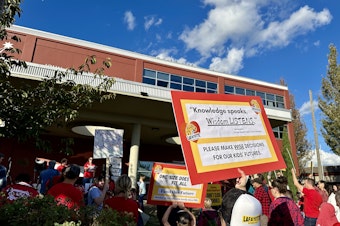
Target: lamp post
320, 171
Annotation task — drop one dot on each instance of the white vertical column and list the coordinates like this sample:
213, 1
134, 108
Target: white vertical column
134, 152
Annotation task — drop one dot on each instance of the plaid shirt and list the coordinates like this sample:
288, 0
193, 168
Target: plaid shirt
283, 211
263, 196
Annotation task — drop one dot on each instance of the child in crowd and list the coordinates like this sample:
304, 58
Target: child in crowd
208, 216
183, 216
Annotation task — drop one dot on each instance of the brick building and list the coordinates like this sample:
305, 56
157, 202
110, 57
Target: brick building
142, 107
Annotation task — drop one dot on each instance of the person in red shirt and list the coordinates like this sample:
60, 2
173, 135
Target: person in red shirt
327, 215
312, 199
89, 172
262, 195
122, 201
21, 189
65, 193
62, 165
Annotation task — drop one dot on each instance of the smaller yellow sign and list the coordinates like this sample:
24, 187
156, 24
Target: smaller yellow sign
171, 183
215, 194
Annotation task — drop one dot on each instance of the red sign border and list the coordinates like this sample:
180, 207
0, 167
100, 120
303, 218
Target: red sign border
218, 175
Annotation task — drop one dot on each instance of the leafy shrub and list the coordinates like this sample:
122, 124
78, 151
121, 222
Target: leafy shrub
43, 211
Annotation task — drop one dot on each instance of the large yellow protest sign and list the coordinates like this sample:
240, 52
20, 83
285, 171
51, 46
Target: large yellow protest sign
220, 133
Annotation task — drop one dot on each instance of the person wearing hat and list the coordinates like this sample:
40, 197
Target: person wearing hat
229, 198
238, 203
3, 173
261, 194
247, 211
65, 193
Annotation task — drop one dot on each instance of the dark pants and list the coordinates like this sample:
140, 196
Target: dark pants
140, 201
310, 221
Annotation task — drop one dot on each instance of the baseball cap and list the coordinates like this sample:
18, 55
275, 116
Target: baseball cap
247, 211
2, 155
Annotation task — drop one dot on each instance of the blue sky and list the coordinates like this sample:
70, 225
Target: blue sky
267, 40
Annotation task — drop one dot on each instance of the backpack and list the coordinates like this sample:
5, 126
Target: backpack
208, 218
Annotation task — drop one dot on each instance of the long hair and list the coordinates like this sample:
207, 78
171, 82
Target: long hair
123, 185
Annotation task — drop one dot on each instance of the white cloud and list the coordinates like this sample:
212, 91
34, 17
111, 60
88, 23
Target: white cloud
304, 20
317, 43
232, 62
165, 54
327, 158
225, 23
251, 26
129, 19
150, 21
306, 109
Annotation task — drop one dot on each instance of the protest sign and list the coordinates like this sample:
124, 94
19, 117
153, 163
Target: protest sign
214, 193
171, 183
220, 133
108, 144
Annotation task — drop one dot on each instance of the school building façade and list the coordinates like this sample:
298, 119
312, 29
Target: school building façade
142, 107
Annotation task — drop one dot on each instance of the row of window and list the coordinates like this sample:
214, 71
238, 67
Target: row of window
178, 82
268, 99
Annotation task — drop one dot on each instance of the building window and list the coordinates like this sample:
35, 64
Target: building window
149, 73
178, 82
188, 81
263, 97
239, 91
278, 132
149, 81
211, 87
229, 89
268, 99
200, 83
250, 92
280, 101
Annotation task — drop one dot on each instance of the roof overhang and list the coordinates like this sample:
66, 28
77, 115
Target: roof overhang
135, 103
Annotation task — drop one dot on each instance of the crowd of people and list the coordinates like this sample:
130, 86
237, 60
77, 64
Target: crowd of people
252, 200
247, 199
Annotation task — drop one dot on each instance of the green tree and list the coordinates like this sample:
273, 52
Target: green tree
28, 109
303, 146
287, 156
329, 102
